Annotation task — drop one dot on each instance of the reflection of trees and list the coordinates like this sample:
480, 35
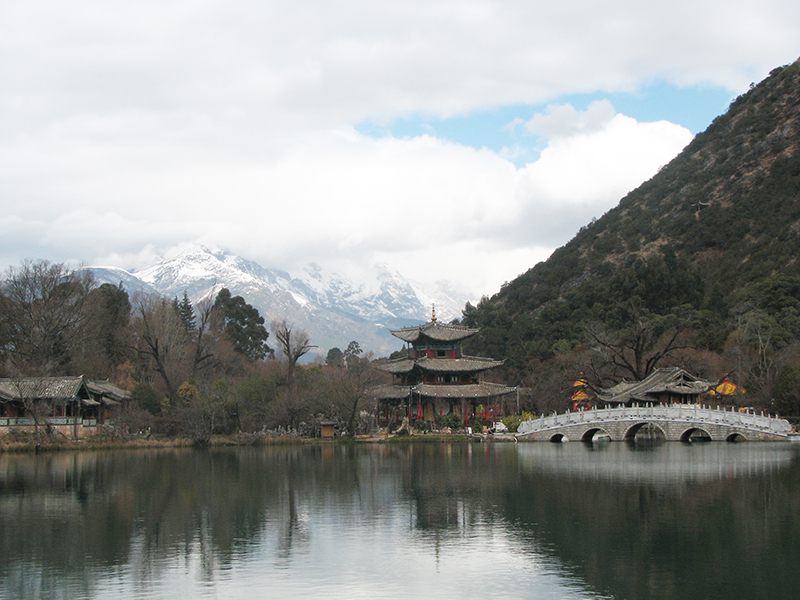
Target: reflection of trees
451, 485
78, 512
721, 538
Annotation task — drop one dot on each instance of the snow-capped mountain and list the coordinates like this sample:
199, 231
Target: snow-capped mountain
332, 308
121, 277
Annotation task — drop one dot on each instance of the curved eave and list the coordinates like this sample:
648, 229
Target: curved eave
391, 392
434, 331
458, 365
398, 367
473, 390
466, 364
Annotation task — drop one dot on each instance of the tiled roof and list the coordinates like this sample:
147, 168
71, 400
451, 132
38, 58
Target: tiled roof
435, 331
465, 364
402, 365
472, 390
50, 388
387, 392
673, 380
107, 390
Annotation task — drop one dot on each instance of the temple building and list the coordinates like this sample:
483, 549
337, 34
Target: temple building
436, 379
669, 385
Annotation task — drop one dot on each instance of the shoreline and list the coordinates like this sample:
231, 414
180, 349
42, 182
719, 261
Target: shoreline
29, 446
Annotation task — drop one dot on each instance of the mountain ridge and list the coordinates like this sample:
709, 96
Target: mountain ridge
333, 309
708, 231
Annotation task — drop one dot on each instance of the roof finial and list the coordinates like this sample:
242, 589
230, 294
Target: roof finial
433, 313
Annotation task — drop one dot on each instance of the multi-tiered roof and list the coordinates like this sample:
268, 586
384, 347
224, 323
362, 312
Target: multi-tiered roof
435, 369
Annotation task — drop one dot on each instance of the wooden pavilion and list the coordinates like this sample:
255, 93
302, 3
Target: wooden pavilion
436, 379
669, 385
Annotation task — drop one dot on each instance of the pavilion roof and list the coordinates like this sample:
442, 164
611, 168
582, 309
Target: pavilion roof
435, 331
472, 390
465, 364
391, 391
42, 388
107, 391
672, 380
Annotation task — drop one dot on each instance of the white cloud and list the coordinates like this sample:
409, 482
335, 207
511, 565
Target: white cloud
129, 127
594, 161
562, 120
428, 207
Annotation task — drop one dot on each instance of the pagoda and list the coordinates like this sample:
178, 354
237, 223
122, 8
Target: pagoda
435, 378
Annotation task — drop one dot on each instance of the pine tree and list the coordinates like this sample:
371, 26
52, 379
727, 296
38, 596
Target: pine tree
185, 311
243, 325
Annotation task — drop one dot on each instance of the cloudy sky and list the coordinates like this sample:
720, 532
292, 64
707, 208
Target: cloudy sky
461, 140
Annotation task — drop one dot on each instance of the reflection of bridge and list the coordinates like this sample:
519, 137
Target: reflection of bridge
683, 422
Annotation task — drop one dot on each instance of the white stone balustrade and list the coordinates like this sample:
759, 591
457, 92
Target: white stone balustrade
697, 415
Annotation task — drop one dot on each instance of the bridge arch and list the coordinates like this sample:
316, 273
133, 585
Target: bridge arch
646, 431
589, 435
653, 423
695, 434
736, 437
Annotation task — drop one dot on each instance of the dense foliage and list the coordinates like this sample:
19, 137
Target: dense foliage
697, 267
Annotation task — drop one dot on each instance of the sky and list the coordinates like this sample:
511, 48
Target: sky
446, 140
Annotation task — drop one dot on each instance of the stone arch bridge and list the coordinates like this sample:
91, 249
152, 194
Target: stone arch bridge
676, 422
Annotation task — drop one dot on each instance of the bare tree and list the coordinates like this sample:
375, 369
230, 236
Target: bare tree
106, 344
45, 315
751, 349
293, 343
203, 334
642, 342
161, 338
351, 387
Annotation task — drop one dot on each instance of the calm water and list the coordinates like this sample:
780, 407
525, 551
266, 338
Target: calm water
536, 521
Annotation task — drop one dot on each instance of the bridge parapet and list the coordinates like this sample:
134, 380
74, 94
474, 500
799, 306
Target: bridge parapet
663, 414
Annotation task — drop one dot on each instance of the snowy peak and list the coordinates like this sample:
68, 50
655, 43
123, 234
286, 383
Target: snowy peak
120, 277
200, 268
330, 306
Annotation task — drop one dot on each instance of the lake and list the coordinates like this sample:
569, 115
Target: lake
404, 520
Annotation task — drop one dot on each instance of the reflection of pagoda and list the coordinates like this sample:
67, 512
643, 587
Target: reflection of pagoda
436, 379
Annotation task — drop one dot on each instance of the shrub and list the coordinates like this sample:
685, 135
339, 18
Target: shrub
451, 420
513, 421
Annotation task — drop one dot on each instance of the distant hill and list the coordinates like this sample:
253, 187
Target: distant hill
715, 229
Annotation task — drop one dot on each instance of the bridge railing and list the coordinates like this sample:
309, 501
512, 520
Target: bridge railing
660, 412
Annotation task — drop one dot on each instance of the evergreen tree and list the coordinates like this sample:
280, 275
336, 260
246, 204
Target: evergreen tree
786, 391
185, 311
352, 350
243, 325
335, 357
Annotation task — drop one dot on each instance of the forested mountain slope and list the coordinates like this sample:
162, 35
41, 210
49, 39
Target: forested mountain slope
708, 245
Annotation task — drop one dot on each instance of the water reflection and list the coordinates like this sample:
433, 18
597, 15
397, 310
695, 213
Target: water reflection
709, 521
432, 520
667, 463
